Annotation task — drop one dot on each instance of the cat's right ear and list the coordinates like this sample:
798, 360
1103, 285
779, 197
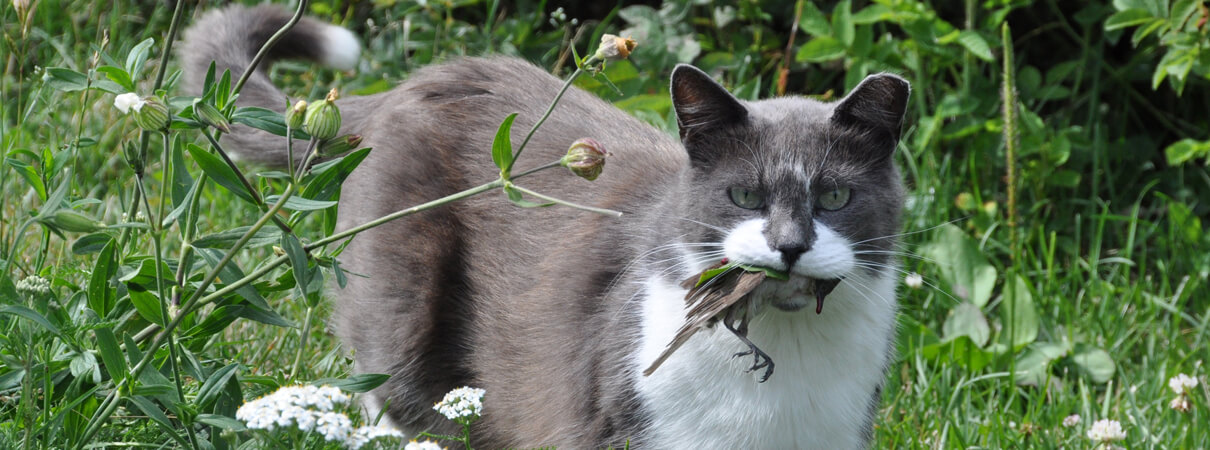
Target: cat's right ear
701, 104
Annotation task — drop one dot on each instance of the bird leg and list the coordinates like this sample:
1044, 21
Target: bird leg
760, 359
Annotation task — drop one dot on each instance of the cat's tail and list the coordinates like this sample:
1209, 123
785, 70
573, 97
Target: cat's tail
230, 37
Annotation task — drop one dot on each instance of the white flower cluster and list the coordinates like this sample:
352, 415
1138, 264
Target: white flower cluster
310, 409
128, 101
34, 285
1105, 431
426, 445
1071, 421
1181, 384
462, 405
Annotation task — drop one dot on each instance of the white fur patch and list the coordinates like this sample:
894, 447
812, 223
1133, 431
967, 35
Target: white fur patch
831, 255
341, 49
827, 367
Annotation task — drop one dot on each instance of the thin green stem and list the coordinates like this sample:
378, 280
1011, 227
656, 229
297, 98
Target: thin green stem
550, 109
264, 49
607, 212
303, 337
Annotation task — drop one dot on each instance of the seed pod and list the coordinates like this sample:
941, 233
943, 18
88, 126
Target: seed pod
153, 116
210, 115
296, 114
73, 222
585, 158
614, 48
340, 145
323, 118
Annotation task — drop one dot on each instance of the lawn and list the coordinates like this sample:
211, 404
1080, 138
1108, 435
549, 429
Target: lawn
1055, 257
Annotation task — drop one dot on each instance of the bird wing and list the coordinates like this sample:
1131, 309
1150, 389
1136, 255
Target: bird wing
708, 302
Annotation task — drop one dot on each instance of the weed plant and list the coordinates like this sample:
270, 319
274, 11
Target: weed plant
1056, 154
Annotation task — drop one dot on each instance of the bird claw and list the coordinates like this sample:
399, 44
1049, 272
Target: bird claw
760, 360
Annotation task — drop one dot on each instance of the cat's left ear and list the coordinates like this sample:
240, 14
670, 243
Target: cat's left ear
701, 104
877, 106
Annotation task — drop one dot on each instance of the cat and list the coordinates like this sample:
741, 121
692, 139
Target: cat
556, 312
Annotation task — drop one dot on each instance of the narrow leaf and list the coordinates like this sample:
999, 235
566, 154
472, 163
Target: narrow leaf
502, 146
219, 171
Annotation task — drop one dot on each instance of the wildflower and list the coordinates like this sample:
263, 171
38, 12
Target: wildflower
340, 145
152, 115
334, 426
128, 101
1105, 431
306, 407
364, 435
426, 445
1182, 384
1071, 421
294, 117
462, 405
210, 115
33, 285
322, 120
1181, 403
614, 48
914, 280
585, 158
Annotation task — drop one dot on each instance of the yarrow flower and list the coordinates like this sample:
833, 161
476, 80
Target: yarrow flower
1105, 431
364, 435
426, 445
1182, 384
309, 408
1071, 421
462, 405
128, 101
34, 285
914, 280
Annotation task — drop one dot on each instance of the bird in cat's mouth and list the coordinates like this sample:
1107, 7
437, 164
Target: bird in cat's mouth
796, 292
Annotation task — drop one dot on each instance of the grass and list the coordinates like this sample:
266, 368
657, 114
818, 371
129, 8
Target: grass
1105, 261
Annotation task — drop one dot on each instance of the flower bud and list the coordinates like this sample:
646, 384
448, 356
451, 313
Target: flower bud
340, 145
153, 115
614, 48
294, 117
210, 115
130, 150
585, 158
72, 221
323, 118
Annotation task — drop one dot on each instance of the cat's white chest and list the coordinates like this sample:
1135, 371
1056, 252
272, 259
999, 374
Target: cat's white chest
827, 368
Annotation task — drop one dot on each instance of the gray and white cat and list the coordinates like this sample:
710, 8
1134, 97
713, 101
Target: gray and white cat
556, 312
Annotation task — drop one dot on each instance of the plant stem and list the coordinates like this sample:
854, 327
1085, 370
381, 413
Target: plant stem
303, 335
264, 49
1010, 135
549, 110
607, 212
260, 202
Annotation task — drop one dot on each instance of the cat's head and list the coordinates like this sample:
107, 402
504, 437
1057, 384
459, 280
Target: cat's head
792, 183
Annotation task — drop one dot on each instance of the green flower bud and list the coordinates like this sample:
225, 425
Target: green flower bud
73, 222
130, 150
340, 145
323, 118
585, 158
210, 115
294, 117
153, 116
614, 48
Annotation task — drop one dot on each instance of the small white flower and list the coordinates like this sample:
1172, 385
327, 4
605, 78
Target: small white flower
1071, 421
426, 445
128, 101
914, 280
34, 285
309, 408
1181, 403
334, 426
364, 435
1181, 383
1106, 430
462, 404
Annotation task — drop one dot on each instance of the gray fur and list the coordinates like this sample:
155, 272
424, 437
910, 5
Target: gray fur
537, 305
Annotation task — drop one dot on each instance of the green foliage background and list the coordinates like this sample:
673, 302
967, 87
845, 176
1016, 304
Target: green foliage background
1066, 274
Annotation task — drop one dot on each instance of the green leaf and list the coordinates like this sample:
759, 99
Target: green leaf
111, 353
1127, 18
232, 272
1186, 149
84, 363
138, 56
214, 386
298, 261
267, 120
502, 145
842, 22
148, 306
1095, 363
90, 243
710, 274
966, 319
33, 316
820, 49
961, 350
220, 172
119, 76
29, 174
872, 14
963, 266
148, 407
1018, 316
222, 92
813, 21
1032, 367
226, 239
362, 382
65, 80
221, 422
328, 176
297, 203
100, 294
975, 43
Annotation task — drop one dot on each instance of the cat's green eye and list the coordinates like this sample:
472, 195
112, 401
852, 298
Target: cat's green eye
746, 198
833, 199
